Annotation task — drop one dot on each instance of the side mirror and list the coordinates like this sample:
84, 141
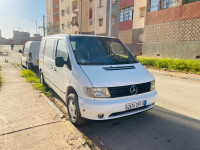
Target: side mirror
60, 62
20, 51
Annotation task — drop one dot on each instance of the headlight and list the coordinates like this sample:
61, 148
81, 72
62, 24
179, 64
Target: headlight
96, 92
152, 85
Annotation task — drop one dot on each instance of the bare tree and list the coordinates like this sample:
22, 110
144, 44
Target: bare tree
52, 29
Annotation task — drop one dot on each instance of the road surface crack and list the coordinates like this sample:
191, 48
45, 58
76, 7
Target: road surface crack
29, 128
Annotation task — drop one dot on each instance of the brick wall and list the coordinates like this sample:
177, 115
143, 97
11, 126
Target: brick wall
125, 36
126, 25
187, 11
55, 10
125, 3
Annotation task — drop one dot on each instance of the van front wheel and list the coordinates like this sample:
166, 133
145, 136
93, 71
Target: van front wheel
73, 110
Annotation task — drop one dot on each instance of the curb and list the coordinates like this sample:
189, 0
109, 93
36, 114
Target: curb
62, 116
172, 75
53, 106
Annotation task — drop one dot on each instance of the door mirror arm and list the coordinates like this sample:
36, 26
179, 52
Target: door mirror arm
68, 63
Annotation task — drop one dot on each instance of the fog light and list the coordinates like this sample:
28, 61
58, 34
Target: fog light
100, 116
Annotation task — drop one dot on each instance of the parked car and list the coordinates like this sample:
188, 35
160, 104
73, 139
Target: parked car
97, 77
30, 57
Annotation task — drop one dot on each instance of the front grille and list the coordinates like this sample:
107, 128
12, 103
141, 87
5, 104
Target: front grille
125, 90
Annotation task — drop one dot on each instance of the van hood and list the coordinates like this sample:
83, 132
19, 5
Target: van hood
117, 75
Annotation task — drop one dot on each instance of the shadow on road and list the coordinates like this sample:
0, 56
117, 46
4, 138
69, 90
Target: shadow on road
157, 129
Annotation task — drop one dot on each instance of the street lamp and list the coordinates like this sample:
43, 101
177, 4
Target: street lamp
35, 23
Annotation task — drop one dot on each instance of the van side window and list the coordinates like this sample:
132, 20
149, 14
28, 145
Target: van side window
62, 50
49, 47
42, 47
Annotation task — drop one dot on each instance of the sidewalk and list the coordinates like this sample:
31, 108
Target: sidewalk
27, 121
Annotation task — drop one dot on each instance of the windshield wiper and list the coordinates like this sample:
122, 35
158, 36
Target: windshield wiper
118, 68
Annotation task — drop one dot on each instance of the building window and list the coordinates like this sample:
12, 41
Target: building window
90, 13
63, 12
142, 12
140, 38
113, 1
163, 4
90, 22
57, 14
126, 14
57, 23
68, 10
101, 22
68, 24
113, 20
100, 3
57, 6
63, 26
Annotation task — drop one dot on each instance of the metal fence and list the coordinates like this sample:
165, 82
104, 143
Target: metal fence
162, 4
190, 1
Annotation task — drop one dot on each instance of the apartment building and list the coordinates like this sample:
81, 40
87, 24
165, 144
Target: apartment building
172, 29
52, 12
95, 17
131, 25
69, 16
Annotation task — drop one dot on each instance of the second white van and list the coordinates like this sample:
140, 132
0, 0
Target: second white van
97, 77
30, 54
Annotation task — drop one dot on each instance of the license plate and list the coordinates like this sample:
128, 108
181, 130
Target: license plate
135, 105
37, 62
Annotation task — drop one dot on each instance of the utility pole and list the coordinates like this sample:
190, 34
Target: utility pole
44, 30
81, 18
110, 18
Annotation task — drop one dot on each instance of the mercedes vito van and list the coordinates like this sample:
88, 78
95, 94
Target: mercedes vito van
30, 54
97, 77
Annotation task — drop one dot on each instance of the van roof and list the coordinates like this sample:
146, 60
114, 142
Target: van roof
33, 42
68, 35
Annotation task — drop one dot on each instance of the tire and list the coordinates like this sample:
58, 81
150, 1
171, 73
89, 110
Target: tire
22, 64
42, 81
73, 110
30, 66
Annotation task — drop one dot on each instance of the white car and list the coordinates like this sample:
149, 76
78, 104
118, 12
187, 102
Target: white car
97, 77
30, 54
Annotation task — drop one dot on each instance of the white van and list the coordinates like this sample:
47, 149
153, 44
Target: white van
30, 56
97, 77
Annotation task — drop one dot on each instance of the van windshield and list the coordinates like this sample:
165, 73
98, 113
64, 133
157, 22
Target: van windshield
100, 51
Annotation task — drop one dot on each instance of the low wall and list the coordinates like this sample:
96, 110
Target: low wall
180, 49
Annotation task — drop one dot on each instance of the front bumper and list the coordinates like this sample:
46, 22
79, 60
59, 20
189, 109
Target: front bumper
115, 107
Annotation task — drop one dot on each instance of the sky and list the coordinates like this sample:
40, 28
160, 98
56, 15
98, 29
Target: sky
17, 15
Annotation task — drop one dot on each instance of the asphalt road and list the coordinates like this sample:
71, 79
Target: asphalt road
157, 129
173, 124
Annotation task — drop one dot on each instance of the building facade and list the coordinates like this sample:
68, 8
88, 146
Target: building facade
52, 12
95, 17
20, 38
2, 40
172, 29
131, 25
69, 16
